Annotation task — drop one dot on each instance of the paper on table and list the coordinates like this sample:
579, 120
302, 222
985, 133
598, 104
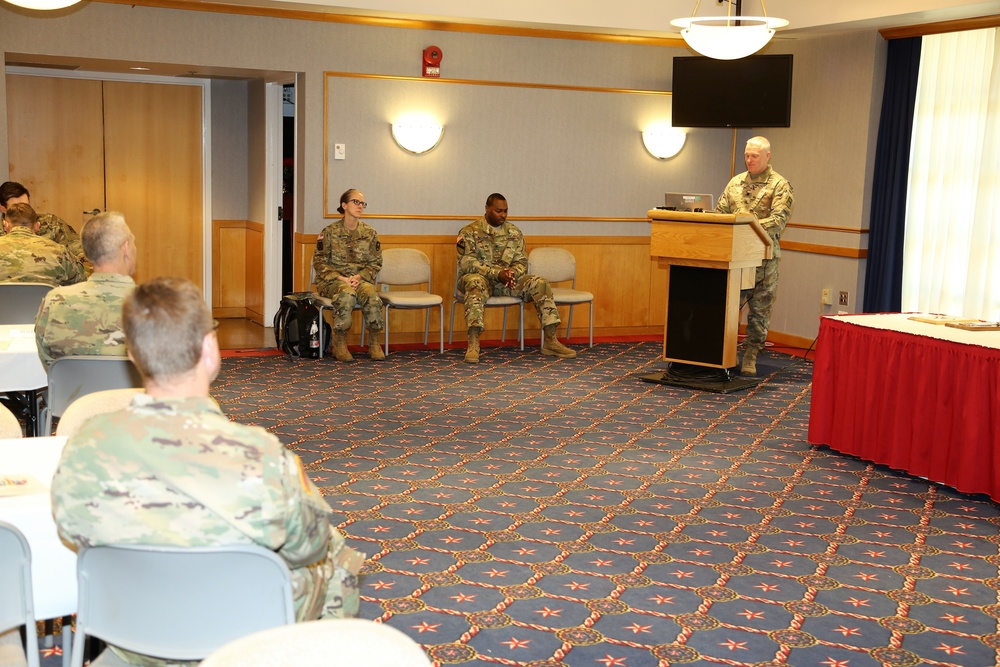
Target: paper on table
20, 485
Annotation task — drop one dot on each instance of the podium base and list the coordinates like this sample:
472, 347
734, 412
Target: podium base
701, 378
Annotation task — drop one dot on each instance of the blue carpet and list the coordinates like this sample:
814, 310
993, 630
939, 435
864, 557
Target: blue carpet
531, 511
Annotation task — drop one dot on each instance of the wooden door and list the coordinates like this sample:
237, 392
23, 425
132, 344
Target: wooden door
56, 143
153, 148
132, 147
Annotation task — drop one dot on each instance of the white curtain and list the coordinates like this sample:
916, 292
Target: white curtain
951, 253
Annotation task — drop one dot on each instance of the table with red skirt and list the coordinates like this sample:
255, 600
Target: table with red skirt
916, 396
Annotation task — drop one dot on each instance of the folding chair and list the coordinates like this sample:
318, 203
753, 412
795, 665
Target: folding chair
21, 301
10, 427
356, 642
558, 265
178, 603
323, 303
75, 376
406, 267
16, 603
85, 407
504, 302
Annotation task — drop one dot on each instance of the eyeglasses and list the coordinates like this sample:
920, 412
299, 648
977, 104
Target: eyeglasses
358, 202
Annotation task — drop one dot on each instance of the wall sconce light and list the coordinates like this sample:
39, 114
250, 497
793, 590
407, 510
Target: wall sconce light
663, 142
416, 134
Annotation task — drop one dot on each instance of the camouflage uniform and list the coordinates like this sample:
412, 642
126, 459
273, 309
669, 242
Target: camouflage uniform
27, 258
484, 251
178, 472
85, 318
55, 228
344, 252
768, 196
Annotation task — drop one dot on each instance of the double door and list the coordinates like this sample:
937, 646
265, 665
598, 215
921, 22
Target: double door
81, 145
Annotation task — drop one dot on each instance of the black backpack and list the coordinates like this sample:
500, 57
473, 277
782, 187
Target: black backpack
296, 326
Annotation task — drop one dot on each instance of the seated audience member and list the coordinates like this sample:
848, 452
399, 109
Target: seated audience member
492, 262
347, 260
50, 226
86, 318
26, 257
172, 469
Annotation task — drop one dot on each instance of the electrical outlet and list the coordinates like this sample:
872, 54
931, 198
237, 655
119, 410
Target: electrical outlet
385, 288
844, 298
826, 297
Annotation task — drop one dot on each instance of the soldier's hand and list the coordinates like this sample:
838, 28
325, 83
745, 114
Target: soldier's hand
506, 276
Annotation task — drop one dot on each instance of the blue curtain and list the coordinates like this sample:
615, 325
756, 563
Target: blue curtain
884, 273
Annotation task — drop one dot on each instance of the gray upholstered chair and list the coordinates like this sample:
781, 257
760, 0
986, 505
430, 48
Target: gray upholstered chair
21, 301
558, 265
407, 267
16, 604
504, 302
96, 403
10, 427
75, 376
178, 603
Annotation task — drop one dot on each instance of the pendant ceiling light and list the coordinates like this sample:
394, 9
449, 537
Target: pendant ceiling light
730, 37
43, 4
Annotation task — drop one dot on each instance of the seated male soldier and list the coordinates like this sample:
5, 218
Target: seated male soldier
172, 469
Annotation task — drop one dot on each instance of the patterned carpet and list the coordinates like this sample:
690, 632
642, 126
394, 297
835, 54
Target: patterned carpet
529, 511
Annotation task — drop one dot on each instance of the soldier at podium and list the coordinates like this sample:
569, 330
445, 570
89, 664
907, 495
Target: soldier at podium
766, 194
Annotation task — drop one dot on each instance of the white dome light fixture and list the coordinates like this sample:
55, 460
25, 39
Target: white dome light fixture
43, 5
663, 141
729, 37
416, 134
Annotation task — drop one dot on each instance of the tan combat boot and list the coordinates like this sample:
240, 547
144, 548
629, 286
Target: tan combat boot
749, 366
374, 347
553, 348
340, 350
472, 352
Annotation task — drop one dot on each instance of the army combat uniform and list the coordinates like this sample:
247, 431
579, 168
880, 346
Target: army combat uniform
768, 196
344, 252
483, 252
55, 228
28, 258
85, 318
178, 472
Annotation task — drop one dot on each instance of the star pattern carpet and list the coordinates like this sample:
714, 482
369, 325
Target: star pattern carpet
532, 511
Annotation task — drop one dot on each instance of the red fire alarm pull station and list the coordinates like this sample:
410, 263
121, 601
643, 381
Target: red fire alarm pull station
432, 61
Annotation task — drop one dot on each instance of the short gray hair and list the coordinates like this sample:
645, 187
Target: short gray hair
761, 143
103, 236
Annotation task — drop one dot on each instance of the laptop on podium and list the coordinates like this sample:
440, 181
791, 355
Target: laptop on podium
682, 201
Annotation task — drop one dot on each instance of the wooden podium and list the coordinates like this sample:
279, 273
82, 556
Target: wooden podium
709, 258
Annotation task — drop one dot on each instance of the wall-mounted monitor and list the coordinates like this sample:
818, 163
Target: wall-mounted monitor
750, 92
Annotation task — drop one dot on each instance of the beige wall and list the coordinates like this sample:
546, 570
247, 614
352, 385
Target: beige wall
827, 153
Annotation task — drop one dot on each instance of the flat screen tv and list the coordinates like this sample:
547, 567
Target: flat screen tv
749, 92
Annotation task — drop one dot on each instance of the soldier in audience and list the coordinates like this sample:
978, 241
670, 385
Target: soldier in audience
348, 257
50, 226
26, 257
86, 318
766, 194
492, 262
172, 469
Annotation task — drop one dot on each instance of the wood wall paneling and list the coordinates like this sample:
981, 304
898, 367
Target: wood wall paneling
254, 277
153, 145
56, 144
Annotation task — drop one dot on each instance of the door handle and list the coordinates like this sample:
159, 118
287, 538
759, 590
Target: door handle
94, 212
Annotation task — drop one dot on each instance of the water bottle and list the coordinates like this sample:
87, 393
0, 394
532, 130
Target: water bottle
314, 336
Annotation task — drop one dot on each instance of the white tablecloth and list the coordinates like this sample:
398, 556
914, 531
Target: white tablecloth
20, 367
53, 564
904, 323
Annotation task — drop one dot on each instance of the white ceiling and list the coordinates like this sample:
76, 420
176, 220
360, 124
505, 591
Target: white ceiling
652, 17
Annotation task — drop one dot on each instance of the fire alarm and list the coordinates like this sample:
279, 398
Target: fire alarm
432, 61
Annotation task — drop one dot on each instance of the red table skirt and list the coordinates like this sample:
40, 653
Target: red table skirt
926, 406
